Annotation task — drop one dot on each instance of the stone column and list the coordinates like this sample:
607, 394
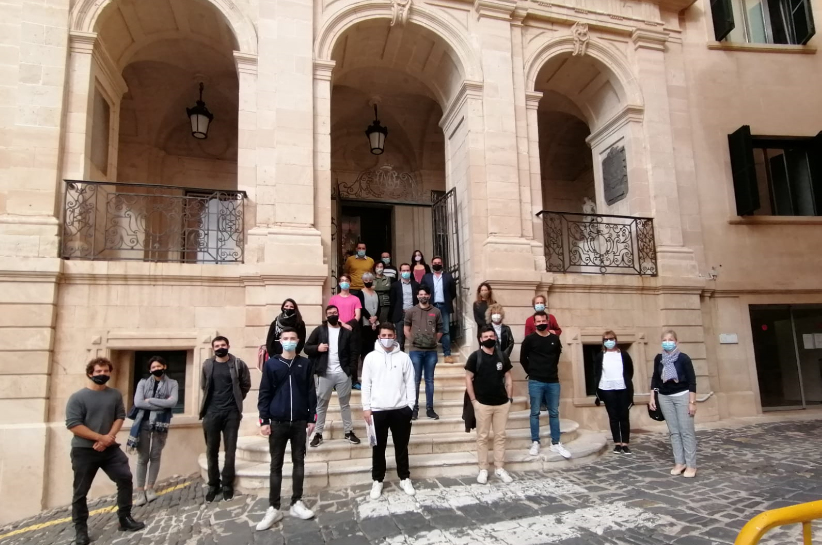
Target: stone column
521, 118
247, 146
322, 155
535, 178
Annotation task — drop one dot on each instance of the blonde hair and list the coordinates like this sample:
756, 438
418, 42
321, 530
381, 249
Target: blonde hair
670, 332
540, 296
610, 332
496, 308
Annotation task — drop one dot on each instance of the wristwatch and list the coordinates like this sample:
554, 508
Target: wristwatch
510, 400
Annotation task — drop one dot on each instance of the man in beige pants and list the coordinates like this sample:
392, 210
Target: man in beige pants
489, 385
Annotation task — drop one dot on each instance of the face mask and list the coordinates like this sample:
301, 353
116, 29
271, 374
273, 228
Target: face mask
368, 284
387, 343
333, 319
386, 260
417, 258
289, 346
406, 275
360, 253
100, 379
668, 346
609, 344
158, 372
542, 327
378, 271
288, 313
489, 343
539, 307
496, 318
221, 352
423, 300
436, 267
344, 285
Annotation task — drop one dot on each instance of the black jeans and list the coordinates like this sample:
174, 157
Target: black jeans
399, 422
226, 423
356, 352
85, 462
618, 403
281, 434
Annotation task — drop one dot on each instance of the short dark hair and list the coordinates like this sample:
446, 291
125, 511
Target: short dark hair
437, 257
405, 265
158, 359
540, 313
289, 330
219, 338
388, 326
486, 328
344, 276
101, 362
424, 288
329, 307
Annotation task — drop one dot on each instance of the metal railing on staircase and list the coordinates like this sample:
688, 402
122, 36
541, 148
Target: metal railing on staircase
758, 526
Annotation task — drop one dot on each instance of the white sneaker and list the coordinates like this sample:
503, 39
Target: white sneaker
502, 474
151, 495
534, 448
272, 516
407, 487
300, 511
482, 477
140, 499
561, 450
376, 490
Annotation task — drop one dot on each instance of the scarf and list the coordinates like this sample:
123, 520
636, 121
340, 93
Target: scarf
283, 322
668, 368
158, 420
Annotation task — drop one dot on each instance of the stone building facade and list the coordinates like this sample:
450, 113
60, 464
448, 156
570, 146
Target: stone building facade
507, 108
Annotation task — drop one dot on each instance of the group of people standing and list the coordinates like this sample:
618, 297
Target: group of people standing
295, 392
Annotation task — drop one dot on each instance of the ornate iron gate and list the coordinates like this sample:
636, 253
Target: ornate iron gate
445, 231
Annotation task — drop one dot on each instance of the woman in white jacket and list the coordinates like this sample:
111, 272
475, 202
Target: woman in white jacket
388, 395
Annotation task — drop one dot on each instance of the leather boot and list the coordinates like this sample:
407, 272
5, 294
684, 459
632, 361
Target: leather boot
81, 535
128, 524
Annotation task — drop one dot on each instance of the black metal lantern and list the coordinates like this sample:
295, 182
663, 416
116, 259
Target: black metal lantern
200, 118
376, 134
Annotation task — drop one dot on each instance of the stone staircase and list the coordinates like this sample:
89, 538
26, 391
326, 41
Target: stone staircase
437, 447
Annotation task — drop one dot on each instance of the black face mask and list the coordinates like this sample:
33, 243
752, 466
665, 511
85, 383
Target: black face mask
437, 268
288, 312
542, 327
368, 284
221, 352
333, 319
100, 379
158, 372
489, 343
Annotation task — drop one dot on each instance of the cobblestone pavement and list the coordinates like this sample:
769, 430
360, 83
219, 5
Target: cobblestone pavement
617, 499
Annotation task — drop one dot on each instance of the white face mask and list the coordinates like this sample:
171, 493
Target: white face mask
387, 343
496, 318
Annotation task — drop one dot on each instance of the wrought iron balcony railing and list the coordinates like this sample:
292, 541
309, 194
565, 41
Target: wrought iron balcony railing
598, 244
144, 222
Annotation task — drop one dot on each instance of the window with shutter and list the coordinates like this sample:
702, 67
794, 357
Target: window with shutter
801, 20
763, 21
723, 17
743, 169
815, 157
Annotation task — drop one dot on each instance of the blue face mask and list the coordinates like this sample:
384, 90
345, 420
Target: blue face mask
360, 253
539, 307
668, 346
344, 285
289, 346
406, 275
386, 260
609, 344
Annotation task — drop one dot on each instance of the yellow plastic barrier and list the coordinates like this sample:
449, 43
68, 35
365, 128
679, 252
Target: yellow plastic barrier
802, 514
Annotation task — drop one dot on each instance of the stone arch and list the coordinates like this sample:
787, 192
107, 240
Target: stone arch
85, 14
610, 59
349, 16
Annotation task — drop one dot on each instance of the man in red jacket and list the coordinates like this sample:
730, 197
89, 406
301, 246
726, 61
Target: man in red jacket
538, 303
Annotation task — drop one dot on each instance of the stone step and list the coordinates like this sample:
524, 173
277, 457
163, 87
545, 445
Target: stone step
441, 393
255, 448
253, 477
450, 407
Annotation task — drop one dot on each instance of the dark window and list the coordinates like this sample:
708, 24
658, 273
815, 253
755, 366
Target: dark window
589, 352
176, 361
776, 176
763, 21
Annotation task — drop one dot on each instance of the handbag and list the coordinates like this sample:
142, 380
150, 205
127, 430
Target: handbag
655, 414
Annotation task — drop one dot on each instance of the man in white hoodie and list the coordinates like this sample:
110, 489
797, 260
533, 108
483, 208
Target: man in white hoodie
388, 397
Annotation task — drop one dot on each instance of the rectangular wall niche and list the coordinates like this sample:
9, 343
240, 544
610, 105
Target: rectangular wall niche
615, 175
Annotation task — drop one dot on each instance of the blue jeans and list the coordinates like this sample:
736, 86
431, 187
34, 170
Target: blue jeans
424, 361
548, 393
446, 328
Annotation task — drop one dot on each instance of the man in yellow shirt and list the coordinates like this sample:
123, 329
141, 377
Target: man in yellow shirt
357, 265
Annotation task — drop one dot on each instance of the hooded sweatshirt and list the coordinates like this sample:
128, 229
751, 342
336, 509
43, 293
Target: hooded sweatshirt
387, 379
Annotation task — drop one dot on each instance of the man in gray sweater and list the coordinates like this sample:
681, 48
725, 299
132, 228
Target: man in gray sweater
94, 415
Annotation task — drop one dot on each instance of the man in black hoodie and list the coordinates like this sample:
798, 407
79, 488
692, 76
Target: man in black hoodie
288, 408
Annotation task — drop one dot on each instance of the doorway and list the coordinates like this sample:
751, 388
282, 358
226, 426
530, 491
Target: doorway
366, 223
788, 350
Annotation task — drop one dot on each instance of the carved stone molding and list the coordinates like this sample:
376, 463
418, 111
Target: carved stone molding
399, 11
384, 184
580, 33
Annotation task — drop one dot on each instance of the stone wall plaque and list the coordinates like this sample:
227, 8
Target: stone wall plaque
615, 175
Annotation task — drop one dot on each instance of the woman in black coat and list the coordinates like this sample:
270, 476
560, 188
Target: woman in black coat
613, 376
289, 317
494, 315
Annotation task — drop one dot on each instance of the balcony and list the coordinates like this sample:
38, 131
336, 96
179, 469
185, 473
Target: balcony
598, 244
158, 223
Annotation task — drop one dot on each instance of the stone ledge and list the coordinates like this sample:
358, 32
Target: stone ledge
763, 48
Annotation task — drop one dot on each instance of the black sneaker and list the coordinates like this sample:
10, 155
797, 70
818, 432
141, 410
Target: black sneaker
81, 535
212, 493
414, 413
353, 439
626, 450
228, 493
317, 440
432, 415
618, 449
128, 524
